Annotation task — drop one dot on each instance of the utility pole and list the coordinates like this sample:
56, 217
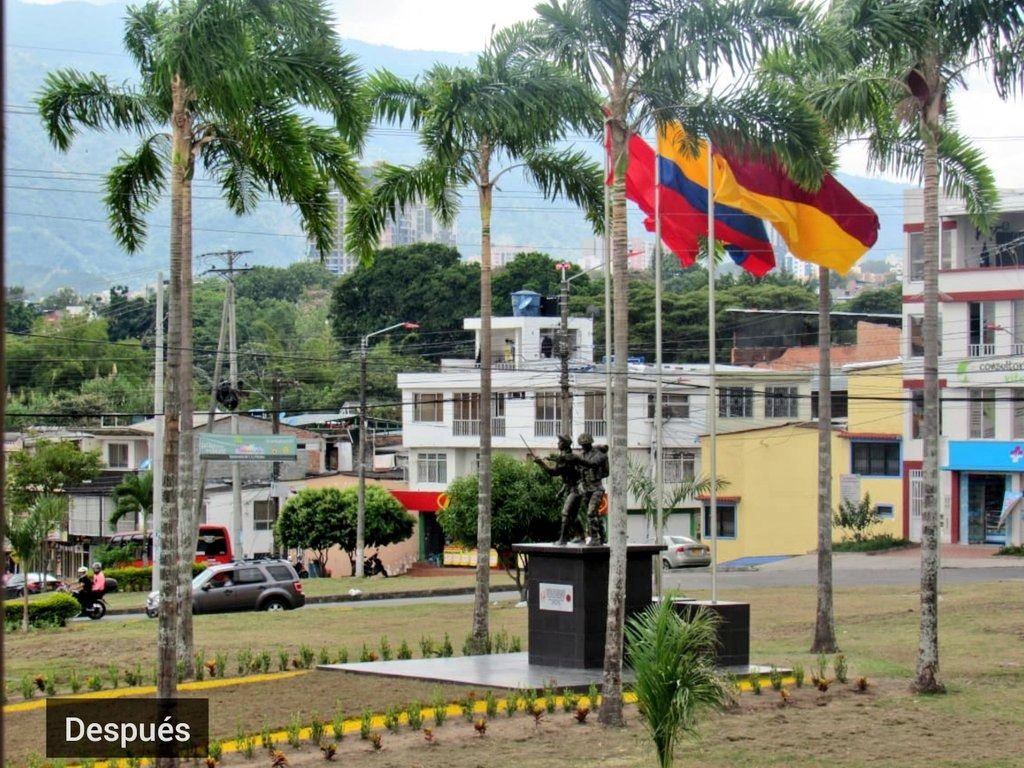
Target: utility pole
565, 404
157, 461
236, 472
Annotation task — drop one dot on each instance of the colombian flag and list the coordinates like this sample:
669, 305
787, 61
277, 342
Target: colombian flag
684, 213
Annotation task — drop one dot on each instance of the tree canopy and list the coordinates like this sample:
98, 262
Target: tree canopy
49, 468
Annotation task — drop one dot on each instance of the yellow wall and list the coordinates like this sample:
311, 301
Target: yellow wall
774, 471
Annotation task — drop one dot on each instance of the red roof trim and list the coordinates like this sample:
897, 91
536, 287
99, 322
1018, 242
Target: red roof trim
919, 226
1001, 295
730, 499
919, 383
870, 435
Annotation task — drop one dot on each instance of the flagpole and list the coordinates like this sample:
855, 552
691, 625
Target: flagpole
659, 466
712, 410
607, 289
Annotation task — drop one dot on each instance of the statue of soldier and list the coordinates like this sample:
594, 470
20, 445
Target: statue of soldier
566, 466
593, 469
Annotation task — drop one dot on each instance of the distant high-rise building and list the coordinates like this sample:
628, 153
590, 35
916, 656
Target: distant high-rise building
415, 223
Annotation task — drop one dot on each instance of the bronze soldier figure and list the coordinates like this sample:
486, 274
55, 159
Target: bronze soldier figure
593, 464
567, 467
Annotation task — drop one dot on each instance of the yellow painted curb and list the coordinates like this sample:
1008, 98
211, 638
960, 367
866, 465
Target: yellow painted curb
143, 690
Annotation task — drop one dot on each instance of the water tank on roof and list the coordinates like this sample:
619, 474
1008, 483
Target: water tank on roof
525, 304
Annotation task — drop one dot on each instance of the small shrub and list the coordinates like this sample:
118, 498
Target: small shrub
324, 657
386, 653
404, 651
215, 750
469, 706
569, 700
821, 672
839, 665
377, 741
549, 700
391, 718
200, 667
180, 669
28, 687
282, 661
446, 648
338, 722
582, 710
500, 642
798, 675
244, 659
266, 740
329, 751
414, 714
50, 688
490, 705
75, 683
342, 657
592, 697
365, 725
511, 703
529, 699
306, 655
51, 610
221, 662
440, 710
316, 729
293, 731
861, 685
480, 726
755, 684
248, 747
264, 661
366, 654
775, 678
515, 645
1011, 551
426, 647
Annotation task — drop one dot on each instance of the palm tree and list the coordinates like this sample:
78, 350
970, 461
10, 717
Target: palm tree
27, 534
825, 621
475, 126
891, 77
134, 496
655, 61
220, 85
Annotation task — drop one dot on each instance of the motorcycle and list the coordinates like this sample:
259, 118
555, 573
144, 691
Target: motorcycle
96, 610
372, 566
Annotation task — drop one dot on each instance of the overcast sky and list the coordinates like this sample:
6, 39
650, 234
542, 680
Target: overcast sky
465, 26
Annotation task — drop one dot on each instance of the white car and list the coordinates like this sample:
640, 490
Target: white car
684, 552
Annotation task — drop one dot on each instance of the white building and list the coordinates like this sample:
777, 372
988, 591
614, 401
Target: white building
981, 372
440, 411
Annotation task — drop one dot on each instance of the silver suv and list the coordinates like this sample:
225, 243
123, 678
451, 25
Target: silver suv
245, 585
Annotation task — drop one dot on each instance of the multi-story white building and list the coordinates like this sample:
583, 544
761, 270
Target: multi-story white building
440, 411
415, 223
981, 372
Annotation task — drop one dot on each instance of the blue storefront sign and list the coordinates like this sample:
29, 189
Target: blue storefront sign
986, 455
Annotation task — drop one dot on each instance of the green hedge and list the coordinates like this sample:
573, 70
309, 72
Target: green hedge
870, 544
140, 579
52, 610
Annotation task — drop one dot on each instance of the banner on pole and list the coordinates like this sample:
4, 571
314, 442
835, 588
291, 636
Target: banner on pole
216, 447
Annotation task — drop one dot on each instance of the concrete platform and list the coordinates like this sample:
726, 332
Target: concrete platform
500, 670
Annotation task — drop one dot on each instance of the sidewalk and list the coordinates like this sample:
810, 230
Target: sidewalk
950, 556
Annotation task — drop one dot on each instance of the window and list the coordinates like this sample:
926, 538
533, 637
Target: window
264, 515
249, 576
780, 402
916, 334
726, 521
840, 404
982, 413
916, 246
117, 455
432, 467
428, 406
880, 459
593, 414
547, 414
279, 573
885, 511
673, 405
982, 337
917, 414
736, 402
1017, 341
678, 466
1017, 403
466, 407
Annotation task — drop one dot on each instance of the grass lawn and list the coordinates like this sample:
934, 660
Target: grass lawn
976, 724
340, 586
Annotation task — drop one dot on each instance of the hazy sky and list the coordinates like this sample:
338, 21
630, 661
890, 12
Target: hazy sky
465, 25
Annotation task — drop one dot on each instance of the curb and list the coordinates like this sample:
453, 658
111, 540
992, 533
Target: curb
345, 598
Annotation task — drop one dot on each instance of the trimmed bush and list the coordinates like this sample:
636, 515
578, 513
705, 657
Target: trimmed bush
52, 610
133, 579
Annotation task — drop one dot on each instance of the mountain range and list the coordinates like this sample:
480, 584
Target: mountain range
55, 226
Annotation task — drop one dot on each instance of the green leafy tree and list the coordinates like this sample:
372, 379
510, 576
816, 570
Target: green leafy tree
526, 507
476, 125
321, 518
47, 470
655, 61
532, 272
134, 496
222, 87
129, 318
886, 301
673, 662
857, 516
27, 532
291, 284
18, 313
889, 73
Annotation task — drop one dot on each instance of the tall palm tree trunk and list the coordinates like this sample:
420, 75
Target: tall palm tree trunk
481, 597
824, 626
611, 705
187, 527
167, 629
926, 677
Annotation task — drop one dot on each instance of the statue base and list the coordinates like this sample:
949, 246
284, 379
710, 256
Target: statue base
567, 596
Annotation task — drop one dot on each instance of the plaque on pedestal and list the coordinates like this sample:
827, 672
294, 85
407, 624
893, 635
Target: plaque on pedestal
733, 631
567, 595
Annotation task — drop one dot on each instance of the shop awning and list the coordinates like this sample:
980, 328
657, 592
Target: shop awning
422, 501
986, 456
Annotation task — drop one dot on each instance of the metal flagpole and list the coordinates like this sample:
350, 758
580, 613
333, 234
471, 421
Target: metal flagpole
607, 291
659, 466
712, 399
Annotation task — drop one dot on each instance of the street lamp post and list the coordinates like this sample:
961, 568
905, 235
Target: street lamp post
361, 466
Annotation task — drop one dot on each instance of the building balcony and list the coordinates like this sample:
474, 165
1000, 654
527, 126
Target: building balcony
1017, 348
981, 350
596, 427
471, 427
545, 427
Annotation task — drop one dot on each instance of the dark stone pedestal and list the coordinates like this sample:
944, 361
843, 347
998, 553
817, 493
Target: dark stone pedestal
733, 632
567, 595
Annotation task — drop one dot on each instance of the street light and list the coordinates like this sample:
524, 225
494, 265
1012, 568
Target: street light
565, 403
361, 508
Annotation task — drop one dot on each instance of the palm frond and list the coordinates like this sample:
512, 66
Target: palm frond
394, 99
70, 99
134, 186
572, 175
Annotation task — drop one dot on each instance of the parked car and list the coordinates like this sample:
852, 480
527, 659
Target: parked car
247, 585
37, 582
684, 552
